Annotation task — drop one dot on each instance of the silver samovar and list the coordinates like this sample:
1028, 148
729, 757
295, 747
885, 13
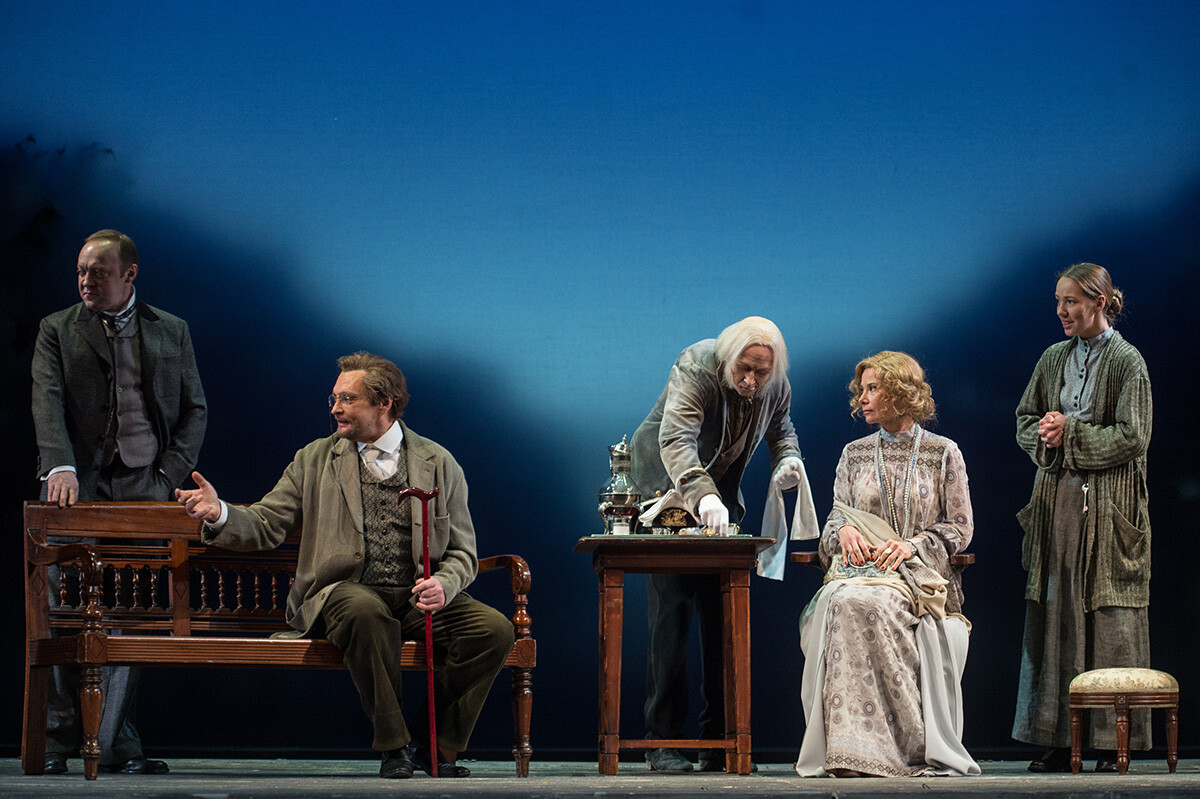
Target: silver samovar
619, 497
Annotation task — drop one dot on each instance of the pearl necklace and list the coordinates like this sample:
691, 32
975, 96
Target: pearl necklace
889, 500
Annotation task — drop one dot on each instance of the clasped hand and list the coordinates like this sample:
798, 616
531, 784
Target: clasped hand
1050, 429
856, 550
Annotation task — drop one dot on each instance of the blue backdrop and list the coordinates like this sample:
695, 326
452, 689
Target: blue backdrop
532, 208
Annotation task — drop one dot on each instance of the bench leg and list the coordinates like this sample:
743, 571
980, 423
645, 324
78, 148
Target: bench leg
522, 703
33, 740
1122, 733
1076, 739
91, 701
1172, 737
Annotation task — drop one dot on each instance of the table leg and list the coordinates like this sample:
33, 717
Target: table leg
735, 598
612, 611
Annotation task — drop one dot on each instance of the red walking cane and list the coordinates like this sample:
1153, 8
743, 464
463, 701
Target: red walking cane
425, 496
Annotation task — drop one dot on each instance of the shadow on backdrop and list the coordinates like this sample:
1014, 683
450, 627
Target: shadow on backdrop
268, 358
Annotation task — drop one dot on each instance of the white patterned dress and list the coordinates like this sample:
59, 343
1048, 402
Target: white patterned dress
864, 647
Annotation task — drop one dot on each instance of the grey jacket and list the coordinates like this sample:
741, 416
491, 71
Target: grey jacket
686, 428
320, 491
72, 372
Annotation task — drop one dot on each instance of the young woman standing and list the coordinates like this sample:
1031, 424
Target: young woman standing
1085, 421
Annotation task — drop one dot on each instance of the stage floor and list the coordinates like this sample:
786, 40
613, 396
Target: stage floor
277, 779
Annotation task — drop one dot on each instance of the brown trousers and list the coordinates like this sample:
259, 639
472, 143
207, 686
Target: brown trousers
368, 624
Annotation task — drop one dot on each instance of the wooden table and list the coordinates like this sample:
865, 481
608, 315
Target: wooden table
731, 558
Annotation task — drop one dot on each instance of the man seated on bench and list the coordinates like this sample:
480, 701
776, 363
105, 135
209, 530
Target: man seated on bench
358, 573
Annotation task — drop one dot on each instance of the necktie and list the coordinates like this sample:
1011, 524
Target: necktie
116, 322
370, 456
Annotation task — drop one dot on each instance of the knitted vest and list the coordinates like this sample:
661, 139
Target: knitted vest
387, 527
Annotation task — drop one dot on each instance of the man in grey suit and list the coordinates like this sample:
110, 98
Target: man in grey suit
723, 397
119, 414
358, 573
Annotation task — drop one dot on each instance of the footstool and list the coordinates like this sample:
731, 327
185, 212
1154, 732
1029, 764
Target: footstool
1122, 689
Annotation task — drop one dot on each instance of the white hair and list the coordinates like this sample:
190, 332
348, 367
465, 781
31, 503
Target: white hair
751, 331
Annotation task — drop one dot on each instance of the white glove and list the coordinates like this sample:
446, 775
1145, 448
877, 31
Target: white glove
713, 514
788, 473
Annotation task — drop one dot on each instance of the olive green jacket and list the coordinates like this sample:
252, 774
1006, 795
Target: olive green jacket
321, 491
1110, 452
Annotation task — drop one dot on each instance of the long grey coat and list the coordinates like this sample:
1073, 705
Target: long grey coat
320, 491
72, 372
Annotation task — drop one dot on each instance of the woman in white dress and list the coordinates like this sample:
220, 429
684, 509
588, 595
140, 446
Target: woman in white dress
884, 640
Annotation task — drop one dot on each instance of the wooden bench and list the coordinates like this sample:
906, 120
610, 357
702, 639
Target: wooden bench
140, 568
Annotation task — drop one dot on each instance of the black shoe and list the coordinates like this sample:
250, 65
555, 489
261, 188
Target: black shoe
1107, 762
397, 764
1056, 759
420, 758
714, 760
136, 765
55, 763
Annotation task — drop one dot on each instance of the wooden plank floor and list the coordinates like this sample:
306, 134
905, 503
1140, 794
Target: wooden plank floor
291, 779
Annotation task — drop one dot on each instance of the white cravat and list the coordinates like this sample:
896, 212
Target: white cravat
371, 459
382, 456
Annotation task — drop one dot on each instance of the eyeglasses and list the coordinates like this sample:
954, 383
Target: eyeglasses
345, 399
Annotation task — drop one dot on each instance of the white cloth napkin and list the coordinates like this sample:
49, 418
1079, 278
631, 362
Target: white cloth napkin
771, 561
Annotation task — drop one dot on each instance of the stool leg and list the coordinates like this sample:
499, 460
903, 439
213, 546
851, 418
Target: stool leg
1076, 739
1122, 706
1172, 737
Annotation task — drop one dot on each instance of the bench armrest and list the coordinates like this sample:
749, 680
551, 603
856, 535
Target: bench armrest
518, 570
39, 553
521, 579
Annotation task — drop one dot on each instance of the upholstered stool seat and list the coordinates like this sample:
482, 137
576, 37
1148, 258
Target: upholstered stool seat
1122, 689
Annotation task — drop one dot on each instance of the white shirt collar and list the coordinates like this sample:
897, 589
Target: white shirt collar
389, 442
128, 305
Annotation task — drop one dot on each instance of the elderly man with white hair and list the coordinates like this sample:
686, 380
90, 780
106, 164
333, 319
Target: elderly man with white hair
723, 397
